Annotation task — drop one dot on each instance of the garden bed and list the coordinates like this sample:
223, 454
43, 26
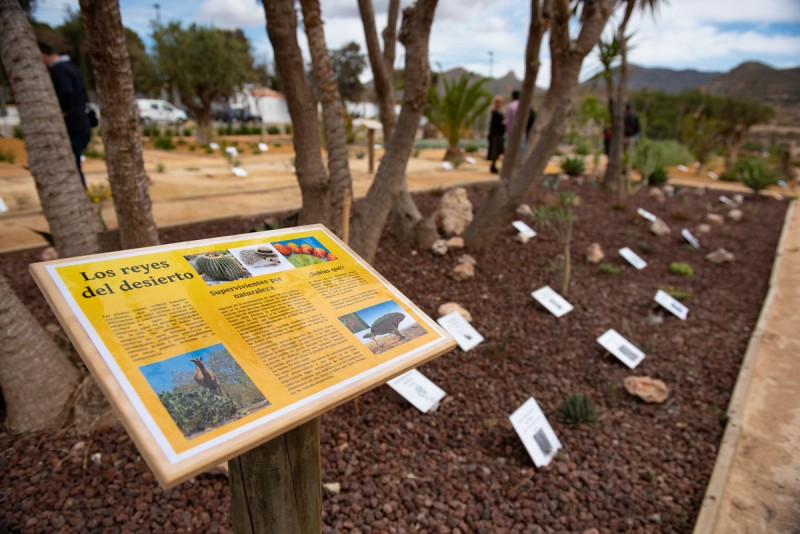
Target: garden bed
640, 468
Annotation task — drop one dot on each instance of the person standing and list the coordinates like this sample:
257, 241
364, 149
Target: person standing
68, 84
496, 133
511, 111
631, 136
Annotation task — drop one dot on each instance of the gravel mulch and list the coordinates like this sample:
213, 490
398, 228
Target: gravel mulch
640, 468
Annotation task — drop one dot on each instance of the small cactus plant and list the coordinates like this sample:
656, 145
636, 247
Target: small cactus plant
608, 268
577, 410
682, 269
219, 266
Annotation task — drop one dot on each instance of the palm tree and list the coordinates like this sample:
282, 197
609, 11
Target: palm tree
453, 111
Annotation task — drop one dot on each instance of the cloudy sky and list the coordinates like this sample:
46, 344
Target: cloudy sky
488, 36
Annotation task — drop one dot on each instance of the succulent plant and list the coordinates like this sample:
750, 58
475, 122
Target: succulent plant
387, 324
219, 266
680, 268
576, 410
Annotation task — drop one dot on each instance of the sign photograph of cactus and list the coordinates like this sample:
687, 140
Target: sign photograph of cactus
209, 348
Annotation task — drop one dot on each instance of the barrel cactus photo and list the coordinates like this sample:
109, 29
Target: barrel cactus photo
218, 266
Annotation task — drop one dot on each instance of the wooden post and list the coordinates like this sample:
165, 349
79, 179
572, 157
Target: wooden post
371, 149
276, 487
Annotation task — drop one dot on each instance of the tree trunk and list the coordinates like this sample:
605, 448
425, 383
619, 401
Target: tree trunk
332, 113
389, 181
615, 181
69, 214
538, 26
123, 146
36, 377
406, 217
552, 121
314, 182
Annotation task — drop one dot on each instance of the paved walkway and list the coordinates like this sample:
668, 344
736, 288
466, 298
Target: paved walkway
755, 487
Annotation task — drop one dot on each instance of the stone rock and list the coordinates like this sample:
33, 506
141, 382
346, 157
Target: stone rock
646, 388
521, 238
49, 254
657, 194
454, 213
720, 256
334, 488
523, 210
594, 253
660, 228
463, 271
715, 218
591, 531
735, 215
455, 242
738, 198
439, 247
669, 190
449, 307
703, 228
466, 258
655, 319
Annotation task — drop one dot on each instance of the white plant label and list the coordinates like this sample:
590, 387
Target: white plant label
535, 432
646, 214
632, 258
3, 207
417, 389
463, 332
213, 146
471, 161
683, 168
263, 147
671, 304
232, 151
687, 235
238, 171
729, 202
624, 350
524, 229
551, 300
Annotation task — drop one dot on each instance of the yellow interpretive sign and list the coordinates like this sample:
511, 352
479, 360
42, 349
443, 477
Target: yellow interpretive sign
209, 348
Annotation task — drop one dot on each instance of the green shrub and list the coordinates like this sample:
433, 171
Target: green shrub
256, 130
645, 247
651, 154
164, 143
17, 132
360, 155
7, 156
471, 149
288, 129
220, 131
199, 410
187, 132
659, 176
753, 173
273, 130
680, 268
277, 145
608, 268
583, 148
577, 410
573, 166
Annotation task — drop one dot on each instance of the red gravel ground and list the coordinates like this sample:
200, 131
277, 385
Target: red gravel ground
640, 468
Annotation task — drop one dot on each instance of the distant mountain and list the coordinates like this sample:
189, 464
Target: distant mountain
759, 82
658, 79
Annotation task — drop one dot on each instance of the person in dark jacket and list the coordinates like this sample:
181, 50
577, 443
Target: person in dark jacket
496, 133
631, 136
68, 84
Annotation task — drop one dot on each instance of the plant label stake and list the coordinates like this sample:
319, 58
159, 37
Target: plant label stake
621, 348
465, 335
633, 258
687, 235
646, 214
535, 432
417, 389
671, 304
555, 303
524, 229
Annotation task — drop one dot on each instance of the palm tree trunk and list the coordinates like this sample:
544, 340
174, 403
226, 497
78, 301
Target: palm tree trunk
36, 377
123, 146
314, 182
332, 113
69, 214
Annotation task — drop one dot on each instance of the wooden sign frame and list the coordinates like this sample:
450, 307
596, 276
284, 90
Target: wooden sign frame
86, 303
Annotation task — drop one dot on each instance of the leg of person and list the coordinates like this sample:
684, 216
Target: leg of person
79, 142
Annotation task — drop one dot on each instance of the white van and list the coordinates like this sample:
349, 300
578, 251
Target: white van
159, 111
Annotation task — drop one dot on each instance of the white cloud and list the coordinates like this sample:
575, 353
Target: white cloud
231, 14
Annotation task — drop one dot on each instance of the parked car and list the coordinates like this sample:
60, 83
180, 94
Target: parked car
235, 114
159, 111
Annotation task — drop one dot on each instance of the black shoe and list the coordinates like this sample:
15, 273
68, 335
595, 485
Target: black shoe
493, 170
